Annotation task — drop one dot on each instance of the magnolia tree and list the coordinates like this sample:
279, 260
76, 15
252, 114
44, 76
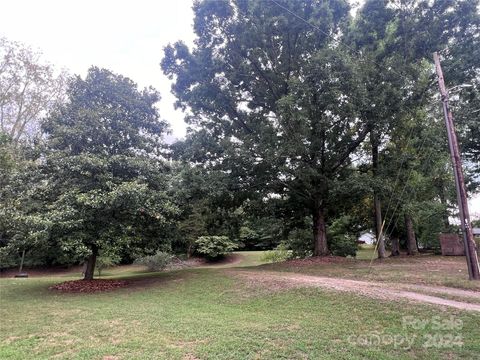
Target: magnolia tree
101, 181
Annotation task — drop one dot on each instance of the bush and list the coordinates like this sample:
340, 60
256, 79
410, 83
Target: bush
279, 254
157, 262
342, 240
300, 242
7, 258
214, 247
344, 245
106, 261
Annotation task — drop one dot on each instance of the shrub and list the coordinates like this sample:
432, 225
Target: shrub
106, 261
7, 258
214, 247
279, 254
344, 245
342, 240
300, 242
157, 262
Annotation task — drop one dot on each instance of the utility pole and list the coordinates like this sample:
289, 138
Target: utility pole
468, 241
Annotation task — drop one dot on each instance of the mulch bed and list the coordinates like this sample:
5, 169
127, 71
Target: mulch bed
88, 286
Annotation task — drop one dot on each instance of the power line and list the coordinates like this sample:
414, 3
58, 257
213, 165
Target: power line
384, 229
351, 48
409, 196
389, 69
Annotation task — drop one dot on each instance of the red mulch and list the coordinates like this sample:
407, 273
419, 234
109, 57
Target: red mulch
88, 286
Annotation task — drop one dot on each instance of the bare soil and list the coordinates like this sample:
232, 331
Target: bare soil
316, 260
378, 290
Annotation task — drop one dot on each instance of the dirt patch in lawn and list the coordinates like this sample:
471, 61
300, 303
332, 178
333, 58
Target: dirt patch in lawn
423, 269
88, 286
317, 260
190, 356
280, 281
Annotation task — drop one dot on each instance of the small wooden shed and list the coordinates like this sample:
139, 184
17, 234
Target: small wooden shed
452, 245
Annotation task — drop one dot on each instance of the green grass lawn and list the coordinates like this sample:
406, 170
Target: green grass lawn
208, 314
366, 252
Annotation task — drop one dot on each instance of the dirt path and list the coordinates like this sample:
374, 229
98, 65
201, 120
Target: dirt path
377, 290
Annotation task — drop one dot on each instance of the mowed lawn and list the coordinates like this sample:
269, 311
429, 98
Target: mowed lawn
208, 313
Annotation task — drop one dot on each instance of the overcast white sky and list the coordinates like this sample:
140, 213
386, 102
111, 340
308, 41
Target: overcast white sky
124, 36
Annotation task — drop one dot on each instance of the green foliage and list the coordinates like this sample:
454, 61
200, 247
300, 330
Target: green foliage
206, 203
279, 133
279, 254
214, 247
100, 182
300, 242
343, 240
256, 106
29, 88
219, 314
7, 161
191, 226
342, 237
406, 116
249, 236
344, 245
260, 231
105, 261
430, 224
157, 262
292, 115
7, 258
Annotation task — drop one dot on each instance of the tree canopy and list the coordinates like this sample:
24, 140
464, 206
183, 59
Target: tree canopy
29, 88
309, 123
102, 182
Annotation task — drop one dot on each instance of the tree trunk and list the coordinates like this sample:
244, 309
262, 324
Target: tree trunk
395, 246
376, 200
412, 248
21, 261
92, 259
319, 233
189, 249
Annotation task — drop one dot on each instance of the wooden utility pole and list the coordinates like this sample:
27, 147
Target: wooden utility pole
469, 242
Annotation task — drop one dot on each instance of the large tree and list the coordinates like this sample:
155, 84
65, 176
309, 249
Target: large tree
370, 34
395, 40
101, 179
29, 88
273, 98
